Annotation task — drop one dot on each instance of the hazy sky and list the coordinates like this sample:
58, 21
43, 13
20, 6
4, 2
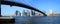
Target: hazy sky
39, 4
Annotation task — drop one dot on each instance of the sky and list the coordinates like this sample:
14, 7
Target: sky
45, 5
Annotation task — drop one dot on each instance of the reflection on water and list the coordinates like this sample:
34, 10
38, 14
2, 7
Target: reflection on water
37, 20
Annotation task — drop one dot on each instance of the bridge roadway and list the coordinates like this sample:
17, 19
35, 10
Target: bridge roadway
37, 20
6, 2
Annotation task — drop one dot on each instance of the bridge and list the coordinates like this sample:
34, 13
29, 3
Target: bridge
6, 2
34, 19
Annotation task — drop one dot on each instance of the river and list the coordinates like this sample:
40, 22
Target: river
37, 19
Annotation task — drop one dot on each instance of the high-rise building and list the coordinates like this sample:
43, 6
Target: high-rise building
28, 13
50, 12
16, 13
32, 13
24, 13
19, 13
53, 13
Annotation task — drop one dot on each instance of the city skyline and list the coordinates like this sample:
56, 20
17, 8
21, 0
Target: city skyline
32, 13
39, 4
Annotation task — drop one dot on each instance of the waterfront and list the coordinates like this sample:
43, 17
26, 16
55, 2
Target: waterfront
37, 20
30, 12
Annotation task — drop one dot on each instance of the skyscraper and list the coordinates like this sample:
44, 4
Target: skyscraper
19, 13
28, 13
24, 13
16, 13
32, 13
50, 12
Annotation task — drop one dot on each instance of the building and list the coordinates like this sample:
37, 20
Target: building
53, 13
24, 13
16, 13
28, 13
50, 12
19, 13
32, 13
38, 14
56, 14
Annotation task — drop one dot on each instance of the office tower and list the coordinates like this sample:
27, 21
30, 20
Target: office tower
28, 13
50, 12
24, 13
16, 13
19, 13
32, 13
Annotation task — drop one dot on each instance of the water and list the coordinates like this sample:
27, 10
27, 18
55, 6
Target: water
37, 20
